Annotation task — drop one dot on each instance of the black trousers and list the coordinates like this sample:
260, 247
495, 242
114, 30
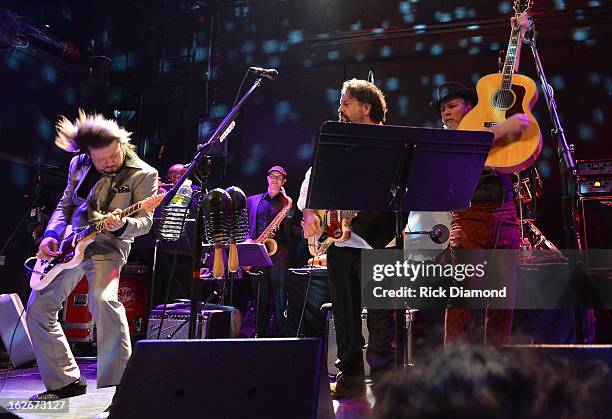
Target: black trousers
271, 289
344, 271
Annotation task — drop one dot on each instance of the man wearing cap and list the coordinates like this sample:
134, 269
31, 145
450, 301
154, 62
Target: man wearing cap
489, 223
262, 209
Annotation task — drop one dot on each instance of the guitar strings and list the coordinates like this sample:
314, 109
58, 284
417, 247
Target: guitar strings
504, 95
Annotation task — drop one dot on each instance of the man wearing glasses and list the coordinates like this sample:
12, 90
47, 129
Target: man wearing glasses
271, 286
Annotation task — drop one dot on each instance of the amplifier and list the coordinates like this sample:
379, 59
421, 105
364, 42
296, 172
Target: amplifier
600, 185
77, 320
594, 167
596, 229
211, 324
132, 293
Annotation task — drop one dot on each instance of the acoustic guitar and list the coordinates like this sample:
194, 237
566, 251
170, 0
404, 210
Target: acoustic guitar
500, 96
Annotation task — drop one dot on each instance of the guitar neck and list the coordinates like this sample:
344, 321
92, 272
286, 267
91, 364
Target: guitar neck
96, 228
510, 61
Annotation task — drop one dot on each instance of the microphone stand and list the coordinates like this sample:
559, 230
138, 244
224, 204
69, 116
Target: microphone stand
202, 151
395, 198
567, 169
567, 166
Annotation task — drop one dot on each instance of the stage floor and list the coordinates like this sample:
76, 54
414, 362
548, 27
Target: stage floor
23, 383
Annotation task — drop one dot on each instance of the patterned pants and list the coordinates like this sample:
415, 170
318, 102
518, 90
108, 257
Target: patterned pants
484, 226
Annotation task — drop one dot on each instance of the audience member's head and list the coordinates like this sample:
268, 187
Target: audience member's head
477, 382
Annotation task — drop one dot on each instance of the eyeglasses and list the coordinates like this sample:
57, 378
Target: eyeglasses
276, 177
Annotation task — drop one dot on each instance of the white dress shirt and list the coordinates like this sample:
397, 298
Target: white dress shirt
354, 241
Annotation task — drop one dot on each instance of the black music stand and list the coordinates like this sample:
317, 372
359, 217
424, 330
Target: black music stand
249, 254
396, 169
436, 169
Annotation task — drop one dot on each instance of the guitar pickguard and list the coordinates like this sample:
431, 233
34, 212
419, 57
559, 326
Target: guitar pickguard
517, 106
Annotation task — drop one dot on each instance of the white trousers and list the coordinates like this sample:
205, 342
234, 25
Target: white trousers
55, 360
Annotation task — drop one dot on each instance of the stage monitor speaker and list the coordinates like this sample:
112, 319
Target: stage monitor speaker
226, 378
14, 330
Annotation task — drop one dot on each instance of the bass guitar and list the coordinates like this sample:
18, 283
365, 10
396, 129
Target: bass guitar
500, 96
72, 246
336, 229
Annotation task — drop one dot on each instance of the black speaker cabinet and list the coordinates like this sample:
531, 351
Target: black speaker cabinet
225, 378
14, 330
597, 230
305, 296
211, 324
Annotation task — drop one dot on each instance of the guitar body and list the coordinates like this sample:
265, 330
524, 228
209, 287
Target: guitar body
46, 271
331, 223
336, 228
509, 154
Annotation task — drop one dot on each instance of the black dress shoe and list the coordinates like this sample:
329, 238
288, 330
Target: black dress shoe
73, 389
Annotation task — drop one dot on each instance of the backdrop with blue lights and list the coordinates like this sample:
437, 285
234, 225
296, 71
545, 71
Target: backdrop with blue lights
166, 64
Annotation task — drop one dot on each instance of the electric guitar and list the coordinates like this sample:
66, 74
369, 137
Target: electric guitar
336, 229
72, 246
503, 95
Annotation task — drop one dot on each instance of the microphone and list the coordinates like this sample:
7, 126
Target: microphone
439, 234
269, 73
529, 34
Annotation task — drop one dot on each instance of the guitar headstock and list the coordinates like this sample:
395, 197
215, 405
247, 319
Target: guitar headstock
521, 6
152, 202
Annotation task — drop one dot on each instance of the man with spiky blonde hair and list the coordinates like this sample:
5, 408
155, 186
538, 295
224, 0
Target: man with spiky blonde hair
106, 177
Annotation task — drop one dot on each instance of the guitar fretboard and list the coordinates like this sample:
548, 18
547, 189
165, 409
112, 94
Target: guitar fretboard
96, 228
508, 71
